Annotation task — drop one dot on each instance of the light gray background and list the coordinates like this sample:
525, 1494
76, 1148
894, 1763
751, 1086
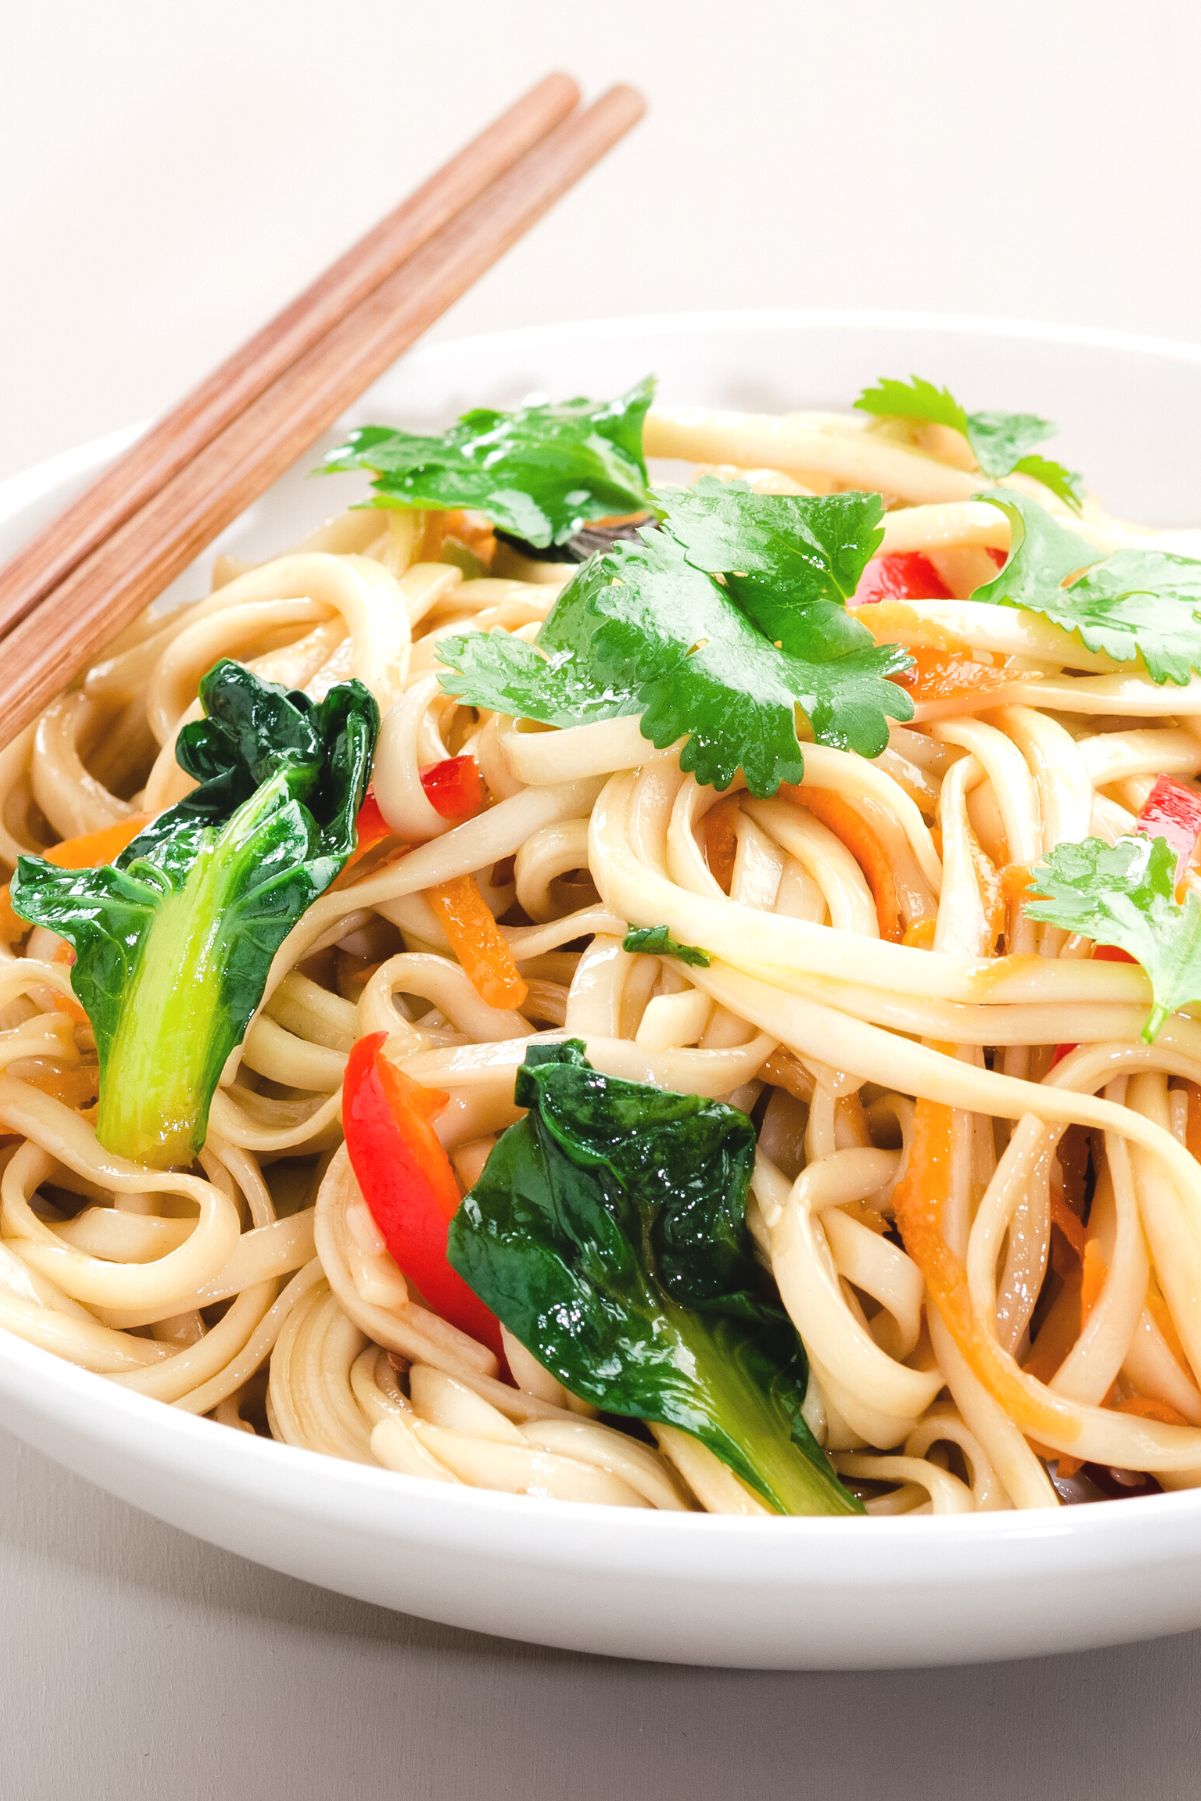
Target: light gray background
168, 175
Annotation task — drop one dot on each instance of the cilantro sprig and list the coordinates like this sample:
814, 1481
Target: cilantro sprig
712, 629
540, 472
1135, 603
1124, 894
1002, 443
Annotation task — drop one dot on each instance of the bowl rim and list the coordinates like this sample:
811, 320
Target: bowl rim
310, 1483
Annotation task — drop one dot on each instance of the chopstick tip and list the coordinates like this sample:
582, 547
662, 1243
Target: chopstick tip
624, 101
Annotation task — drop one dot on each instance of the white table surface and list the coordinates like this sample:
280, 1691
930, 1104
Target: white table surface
170, 174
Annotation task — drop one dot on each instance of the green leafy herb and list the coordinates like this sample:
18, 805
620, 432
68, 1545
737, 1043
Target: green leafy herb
658, 941
174, 940
1001, 443
713, 629
1124, 894
540, 472
1134, 603
608, 1233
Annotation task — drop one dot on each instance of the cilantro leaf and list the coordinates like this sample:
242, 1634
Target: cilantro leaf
917, 398
1134, 603
540, 472
797, 565
1124, 894
1063, 483
642, 630
658, 941
1001, 443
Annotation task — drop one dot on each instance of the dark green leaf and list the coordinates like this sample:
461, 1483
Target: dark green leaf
174, 940
540, 472
608, 1233
658, 941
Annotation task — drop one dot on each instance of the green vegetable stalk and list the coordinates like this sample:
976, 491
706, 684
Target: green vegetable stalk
608, 1232
175, 939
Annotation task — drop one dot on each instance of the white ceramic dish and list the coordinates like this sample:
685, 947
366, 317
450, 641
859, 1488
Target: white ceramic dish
688, 1589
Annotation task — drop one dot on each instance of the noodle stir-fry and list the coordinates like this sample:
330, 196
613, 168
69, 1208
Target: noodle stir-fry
770, 899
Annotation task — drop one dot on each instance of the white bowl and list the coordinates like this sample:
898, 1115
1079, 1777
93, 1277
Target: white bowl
688, 1589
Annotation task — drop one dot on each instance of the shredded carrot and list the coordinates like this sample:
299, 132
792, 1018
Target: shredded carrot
894, 621
12, 926
950, 675
75, 1084
919, 1200
870, 854
1058, 1332
1015, 881
1160, 1312
86, 851
83, 852
1069, 1224
1143, 1407
920, 935
1192, 1129
867, 1216
477, 941
1093, 1273
1148, 1407
992, 895
721, 841
471, 530
90, 849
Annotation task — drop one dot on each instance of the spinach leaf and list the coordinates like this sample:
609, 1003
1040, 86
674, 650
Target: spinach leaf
174, 940
540, 472
608, 1232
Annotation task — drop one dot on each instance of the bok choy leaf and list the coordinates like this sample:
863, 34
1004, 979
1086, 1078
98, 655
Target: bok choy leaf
608, 1232
174, 940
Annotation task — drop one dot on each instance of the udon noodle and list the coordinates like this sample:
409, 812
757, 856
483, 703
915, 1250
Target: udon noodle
255, 1288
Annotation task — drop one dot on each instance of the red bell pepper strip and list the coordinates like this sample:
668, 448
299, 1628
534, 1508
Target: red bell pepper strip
371, 826
907, 575
1173, 812
407, 1181
454, 788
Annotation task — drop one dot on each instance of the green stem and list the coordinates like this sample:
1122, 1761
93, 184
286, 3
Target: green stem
757, 1431
173, 1034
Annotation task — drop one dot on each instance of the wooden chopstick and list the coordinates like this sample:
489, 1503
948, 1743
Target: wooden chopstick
42, 653
177, 438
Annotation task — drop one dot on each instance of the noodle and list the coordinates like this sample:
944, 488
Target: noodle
839, 999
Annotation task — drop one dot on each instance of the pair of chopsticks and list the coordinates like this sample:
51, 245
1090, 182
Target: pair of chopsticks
92, 570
